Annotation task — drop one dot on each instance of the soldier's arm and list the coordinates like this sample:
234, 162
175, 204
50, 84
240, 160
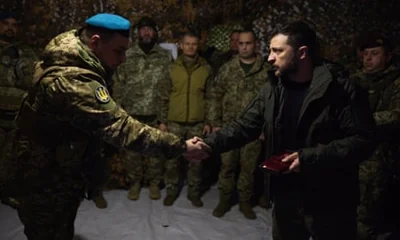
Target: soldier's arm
388, 122
164, 90
207, 97
244, 129
88, 107
214, 108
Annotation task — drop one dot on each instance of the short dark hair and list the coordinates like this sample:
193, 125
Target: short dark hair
249, 30
234, 31
300, 34
190, 34
105, 34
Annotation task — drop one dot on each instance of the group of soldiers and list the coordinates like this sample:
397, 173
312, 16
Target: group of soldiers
194, 96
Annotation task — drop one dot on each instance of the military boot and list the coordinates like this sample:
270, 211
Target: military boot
247, 210
264, 202
134, 191
222, 208
154, 192
196, 200
194, 196
100, 201
169, 200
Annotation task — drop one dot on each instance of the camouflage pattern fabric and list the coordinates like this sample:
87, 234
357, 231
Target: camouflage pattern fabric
232, 92
136, 85
219, 36
16, 71
245, 159
379, 175
186, 131
143, 168
137, 81
70, 107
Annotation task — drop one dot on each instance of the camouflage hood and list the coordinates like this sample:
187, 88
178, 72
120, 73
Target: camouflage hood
67, 50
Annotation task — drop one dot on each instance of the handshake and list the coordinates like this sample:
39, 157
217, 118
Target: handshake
196, 150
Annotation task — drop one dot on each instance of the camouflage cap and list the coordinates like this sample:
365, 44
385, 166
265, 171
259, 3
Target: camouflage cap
109, 21
146, 22
376, 41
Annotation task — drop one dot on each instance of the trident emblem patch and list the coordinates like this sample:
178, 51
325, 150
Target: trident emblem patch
102, 94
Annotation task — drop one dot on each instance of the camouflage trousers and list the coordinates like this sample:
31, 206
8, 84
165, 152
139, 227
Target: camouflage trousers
376, 200
186, 131
290, 222
7, 139
245, 158
49, 215
143, 168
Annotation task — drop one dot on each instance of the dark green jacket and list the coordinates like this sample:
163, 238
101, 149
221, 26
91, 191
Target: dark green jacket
335, 132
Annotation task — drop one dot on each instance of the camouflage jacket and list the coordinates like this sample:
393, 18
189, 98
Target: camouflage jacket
384, 98
69, 107
136, 81
233, 90
16, 70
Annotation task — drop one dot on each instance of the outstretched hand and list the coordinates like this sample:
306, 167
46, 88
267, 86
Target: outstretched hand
196, 150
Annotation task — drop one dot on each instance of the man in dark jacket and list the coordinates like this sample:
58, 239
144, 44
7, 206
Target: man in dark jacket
324, 120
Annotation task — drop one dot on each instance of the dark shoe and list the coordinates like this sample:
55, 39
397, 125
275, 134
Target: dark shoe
247, 210
169, 200
196, 201
134, 192
264, 202
100, 201
222, 208
154, 192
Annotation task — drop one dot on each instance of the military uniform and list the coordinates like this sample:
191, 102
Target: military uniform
16, 70
70, 108
380, 174
233, 91
136, 89
184, 107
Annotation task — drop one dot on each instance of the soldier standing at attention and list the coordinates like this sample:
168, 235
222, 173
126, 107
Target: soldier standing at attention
136, 90
184, 108
16, 70
236, 84
68, 108
380, 174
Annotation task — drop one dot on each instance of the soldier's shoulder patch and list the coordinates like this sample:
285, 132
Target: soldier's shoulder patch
102, 94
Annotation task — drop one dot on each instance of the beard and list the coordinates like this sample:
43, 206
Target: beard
147, 43
288, 69
8, 36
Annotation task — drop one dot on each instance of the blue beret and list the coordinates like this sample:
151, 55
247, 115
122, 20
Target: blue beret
5, 15
109, 21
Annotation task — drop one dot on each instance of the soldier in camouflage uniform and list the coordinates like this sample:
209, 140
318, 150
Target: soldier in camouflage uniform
184, 109
379, 175
136, 89
16, 69
236, 84
67, 110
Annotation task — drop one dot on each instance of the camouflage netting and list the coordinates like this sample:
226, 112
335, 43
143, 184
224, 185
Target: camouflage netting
338, 23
